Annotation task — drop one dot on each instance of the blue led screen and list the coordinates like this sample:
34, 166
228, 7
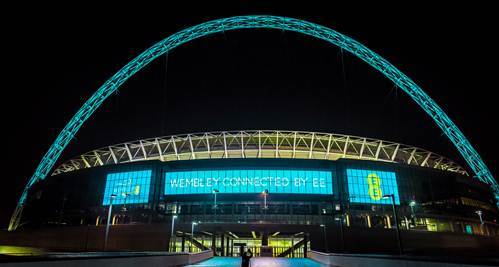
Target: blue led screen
289, 181
368, 186
136, 184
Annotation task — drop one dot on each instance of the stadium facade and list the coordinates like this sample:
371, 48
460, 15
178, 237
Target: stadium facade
278, 192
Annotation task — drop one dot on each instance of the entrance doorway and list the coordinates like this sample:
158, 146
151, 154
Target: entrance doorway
276, 244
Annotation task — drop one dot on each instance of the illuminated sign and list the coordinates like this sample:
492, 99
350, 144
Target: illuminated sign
129, 187
368, 186
249, 181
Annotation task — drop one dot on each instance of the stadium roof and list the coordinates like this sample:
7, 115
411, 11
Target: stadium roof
259, 144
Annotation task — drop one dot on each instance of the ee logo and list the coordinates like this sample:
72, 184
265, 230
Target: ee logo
374, 189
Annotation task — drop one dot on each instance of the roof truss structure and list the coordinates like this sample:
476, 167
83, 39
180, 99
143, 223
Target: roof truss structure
259, 144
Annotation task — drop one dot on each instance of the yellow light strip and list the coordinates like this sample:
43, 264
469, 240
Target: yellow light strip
234, 235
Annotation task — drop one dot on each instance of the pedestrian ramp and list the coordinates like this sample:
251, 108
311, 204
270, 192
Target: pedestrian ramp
219, 262
259, 262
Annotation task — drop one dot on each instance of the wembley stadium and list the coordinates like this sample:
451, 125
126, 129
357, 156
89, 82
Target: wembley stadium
285, 191
280, 193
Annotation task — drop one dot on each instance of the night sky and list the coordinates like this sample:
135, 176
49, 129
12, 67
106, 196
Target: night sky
250, 79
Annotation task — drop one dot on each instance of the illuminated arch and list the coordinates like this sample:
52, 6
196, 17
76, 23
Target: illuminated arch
246, 22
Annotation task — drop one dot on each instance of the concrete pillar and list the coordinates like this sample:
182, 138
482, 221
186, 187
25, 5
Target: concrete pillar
183, 243
222, 247
305, 248
214, 244
265, 239
241, 250
227, 245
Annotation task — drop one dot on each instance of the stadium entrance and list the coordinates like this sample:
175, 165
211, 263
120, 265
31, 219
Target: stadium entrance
230, 244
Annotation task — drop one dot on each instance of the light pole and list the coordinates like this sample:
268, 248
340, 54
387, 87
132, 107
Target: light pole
323, 226
399, 240
412, 204
192, 235
111, 198
215, 192
172, 240
265, 193
339, 207
479, 213
342, 216
126, 195
61, 213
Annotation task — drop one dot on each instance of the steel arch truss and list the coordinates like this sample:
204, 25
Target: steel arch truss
260, 21
259, 144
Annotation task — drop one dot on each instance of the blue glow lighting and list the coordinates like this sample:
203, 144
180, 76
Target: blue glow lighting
367, 186
249, 181
134, 184
346, 43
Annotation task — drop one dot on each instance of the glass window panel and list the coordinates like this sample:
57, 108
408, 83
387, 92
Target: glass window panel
368, 186
129, 187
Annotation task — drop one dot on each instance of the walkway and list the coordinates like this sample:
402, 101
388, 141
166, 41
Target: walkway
220, 261
259, 262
